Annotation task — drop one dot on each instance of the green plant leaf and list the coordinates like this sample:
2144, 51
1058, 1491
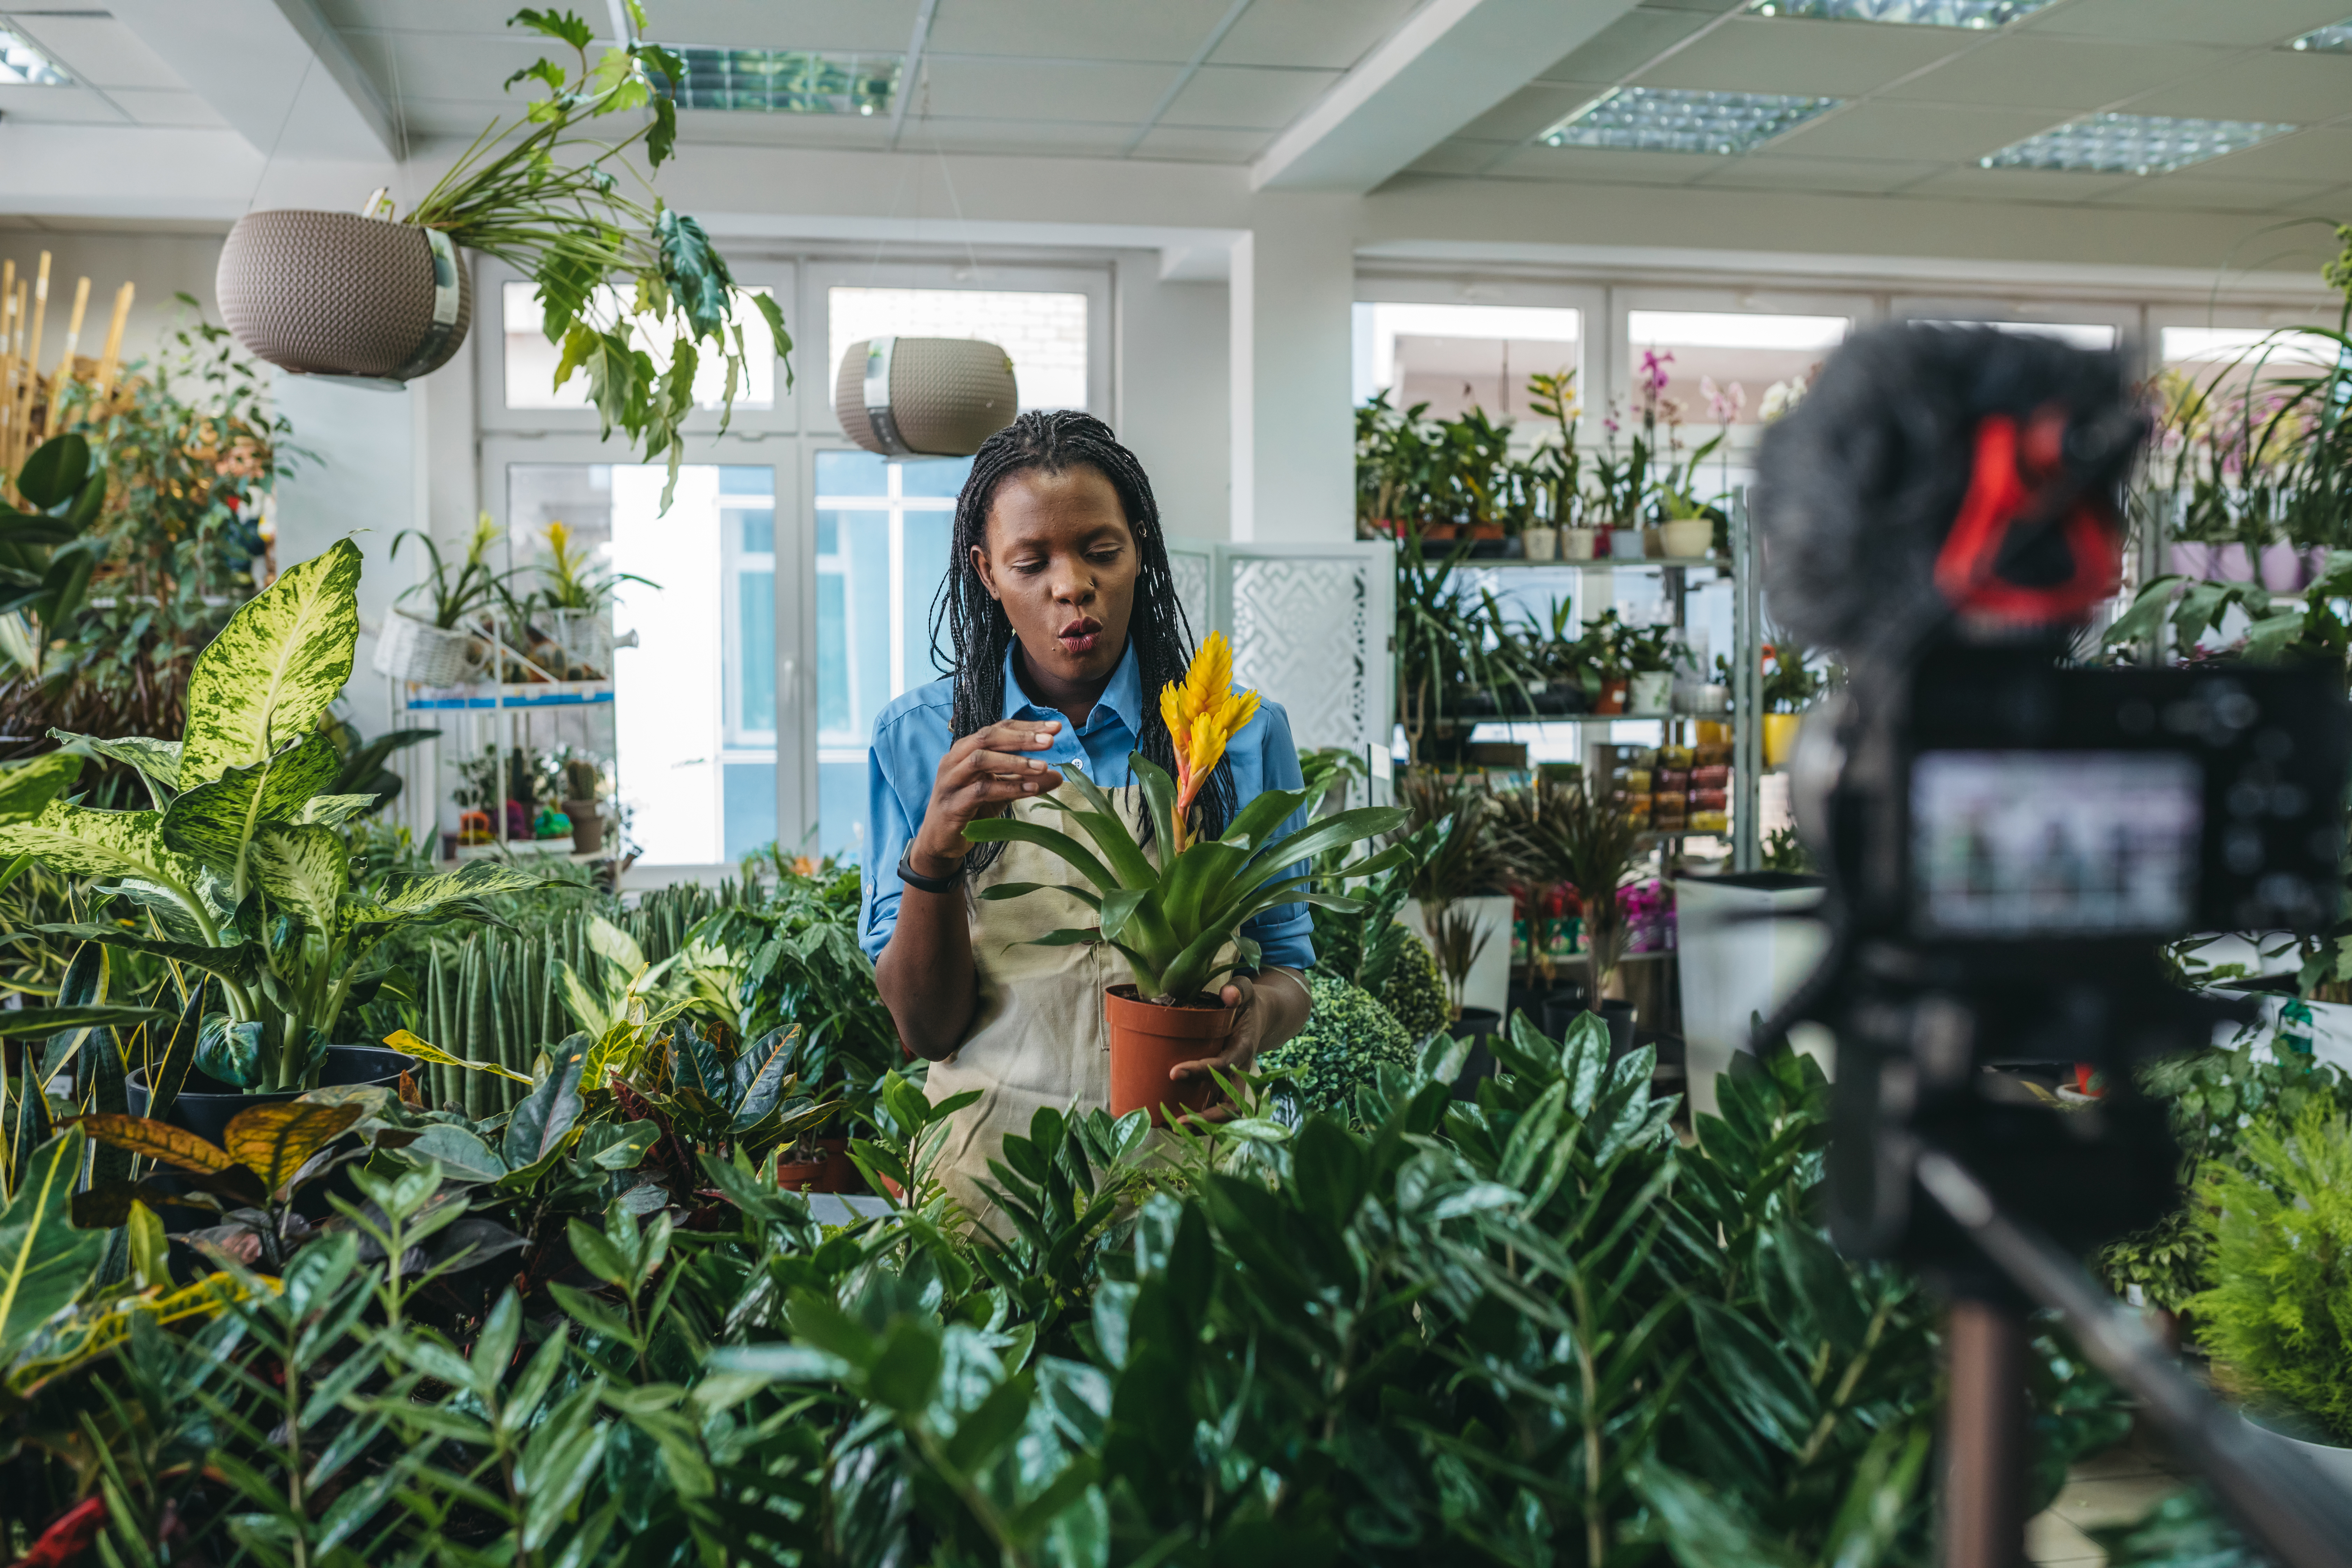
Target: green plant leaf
157, 762
174, 1146
304, 868
27, 788
49, 1020
770, 1059
215, 823
408, 1044
537, 1126
56, 472
44, 1261
424, 895
271, 673
85, 842
230, 1052
274, 1141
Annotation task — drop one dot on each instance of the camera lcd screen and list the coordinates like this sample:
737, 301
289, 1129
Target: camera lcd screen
2019, 844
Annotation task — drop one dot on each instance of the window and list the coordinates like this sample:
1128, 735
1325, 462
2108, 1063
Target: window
882, 533
1456, 357
1044, 335
694, 708
531, 359
1741, 355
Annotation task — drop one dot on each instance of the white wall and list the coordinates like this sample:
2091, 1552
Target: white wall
161, 265
1172, 396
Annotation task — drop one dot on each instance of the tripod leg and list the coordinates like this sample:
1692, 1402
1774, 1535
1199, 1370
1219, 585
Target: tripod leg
1983, 1513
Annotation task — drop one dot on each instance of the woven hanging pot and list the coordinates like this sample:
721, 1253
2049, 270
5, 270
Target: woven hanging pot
924, 397
323, 293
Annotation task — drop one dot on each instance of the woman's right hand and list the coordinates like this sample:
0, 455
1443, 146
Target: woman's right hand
977, 777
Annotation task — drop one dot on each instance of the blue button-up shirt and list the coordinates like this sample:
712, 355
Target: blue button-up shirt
914, 733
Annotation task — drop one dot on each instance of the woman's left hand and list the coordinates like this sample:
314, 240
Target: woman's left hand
1269, 1015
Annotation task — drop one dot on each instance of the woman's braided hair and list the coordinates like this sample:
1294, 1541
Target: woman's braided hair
970, 632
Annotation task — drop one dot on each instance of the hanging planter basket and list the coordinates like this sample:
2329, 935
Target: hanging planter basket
586, 636
323, 293
410, 649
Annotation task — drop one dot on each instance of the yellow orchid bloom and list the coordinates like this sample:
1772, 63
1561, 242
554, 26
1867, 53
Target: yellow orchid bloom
1202, 713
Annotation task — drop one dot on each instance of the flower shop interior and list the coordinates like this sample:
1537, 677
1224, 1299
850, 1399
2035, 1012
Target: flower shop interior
503, 1025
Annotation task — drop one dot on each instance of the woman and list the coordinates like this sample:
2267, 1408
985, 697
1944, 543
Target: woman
1061, 627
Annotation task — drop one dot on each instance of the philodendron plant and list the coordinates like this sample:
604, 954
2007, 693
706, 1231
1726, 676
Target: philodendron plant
241, 865
1173, 921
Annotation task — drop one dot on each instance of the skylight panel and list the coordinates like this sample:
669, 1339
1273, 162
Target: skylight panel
2133, 144
1976, 13
2334, 39
21, 64
1673, 120
786, 81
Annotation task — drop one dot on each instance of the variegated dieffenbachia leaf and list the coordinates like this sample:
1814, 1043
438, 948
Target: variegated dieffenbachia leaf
304, 868
334, 810
425, 894
216, 821
157, 761
27, 787
85, 842
273, 668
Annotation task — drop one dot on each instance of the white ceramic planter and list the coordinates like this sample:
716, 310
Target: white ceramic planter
2328, 1459
1689, 539
1576, 543
1745, 947
1652, 691
1625, 544
1540, 543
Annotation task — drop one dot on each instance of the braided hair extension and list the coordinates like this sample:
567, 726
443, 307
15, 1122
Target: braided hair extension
970, 632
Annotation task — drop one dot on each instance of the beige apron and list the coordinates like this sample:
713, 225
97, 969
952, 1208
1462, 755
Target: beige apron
1037, 1036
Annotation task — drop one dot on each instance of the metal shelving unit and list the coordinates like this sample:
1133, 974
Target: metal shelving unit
1745, 661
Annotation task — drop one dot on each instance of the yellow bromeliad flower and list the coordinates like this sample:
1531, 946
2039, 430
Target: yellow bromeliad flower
1203, 712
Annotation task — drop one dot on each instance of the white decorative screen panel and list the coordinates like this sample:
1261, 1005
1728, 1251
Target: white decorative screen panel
1310, 627
1190, 566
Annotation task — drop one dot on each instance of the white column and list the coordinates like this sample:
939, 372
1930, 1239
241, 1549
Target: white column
1293, 430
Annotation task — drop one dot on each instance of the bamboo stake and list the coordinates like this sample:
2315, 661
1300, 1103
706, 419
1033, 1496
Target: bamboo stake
29, 368
107, 363
63, 378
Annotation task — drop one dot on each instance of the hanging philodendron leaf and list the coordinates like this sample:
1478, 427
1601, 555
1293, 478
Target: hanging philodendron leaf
635, 293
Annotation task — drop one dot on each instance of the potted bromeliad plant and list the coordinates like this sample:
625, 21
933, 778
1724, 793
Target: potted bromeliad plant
241, 867
439, 648
618, 273
577, 593
1178, 921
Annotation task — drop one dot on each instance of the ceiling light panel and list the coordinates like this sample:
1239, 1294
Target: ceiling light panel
2132, 143
786, 81
2331, 41
1976, 13
1673, 119
21, 64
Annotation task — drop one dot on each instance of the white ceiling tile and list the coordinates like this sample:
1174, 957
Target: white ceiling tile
1531, 112
435, 16
1626, 44
1838, 176
2018, 186
824, 26
447, 66
966, 88
1925, 132
1334, 33
1541, 162
2179, 193
2300, 88
99, 50
181, 108
1170, 30
56, 106
2243, 22
1192, 144
1246, 98
452, 117
1048, 138
2032, 70
1831, 59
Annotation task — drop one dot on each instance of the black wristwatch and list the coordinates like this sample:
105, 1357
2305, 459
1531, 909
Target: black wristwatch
915, 878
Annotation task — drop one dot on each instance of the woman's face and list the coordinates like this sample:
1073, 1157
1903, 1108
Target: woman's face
1062, 561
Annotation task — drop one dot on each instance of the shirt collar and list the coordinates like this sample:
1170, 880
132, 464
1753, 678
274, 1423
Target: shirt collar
1121, 699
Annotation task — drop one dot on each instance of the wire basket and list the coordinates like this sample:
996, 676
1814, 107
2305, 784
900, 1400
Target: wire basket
409, 649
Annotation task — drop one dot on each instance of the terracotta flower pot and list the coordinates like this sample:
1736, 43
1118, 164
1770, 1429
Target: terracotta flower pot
1441, 532
1147, 1040
800, 1175
832, 1173
1485, 531
1613, 696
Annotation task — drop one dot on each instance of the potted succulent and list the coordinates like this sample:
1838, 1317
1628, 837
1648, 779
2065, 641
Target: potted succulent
583, 786
361, 295
440, 650
1178, 922
241, 866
